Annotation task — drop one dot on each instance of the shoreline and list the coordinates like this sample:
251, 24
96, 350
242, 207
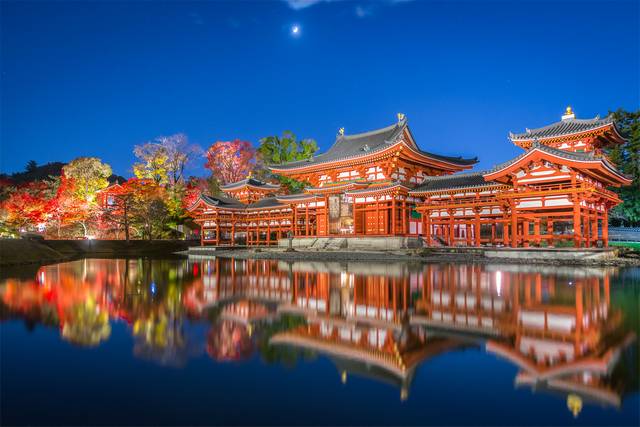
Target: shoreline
415, 256
17, 253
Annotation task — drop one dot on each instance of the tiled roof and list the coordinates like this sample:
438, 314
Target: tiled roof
249, 181
267, 202
445, 182
564, 127
374, 188
361, 144
569, 155
222, 201
297, 196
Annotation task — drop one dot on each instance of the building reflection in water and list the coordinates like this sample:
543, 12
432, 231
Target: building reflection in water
381, 321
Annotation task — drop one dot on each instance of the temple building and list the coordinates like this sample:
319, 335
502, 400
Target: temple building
381, 184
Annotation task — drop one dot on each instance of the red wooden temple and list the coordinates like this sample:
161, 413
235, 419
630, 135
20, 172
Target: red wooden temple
381, 184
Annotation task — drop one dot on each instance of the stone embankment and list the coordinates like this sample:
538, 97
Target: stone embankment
24, 251
586, 257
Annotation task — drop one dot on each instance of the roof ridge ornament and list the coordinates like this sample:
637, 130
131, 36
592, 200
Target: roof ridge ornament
401, 117
341, 132
568, 114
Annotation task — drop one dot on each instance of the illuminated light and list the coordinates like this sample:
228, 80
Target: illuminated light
296, 30
499, 282
343, 377
153, 288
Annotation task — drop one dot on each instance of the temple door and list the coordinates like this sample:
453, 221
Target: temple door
321, 224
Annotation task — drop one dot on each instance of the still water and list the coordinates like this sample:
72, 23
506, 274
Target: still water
222, 341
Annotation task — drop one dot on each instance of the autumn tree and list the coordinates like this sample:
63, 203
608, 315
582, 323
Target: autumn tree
194, 187
149, 212
230, 161
164, 159
89, 175
627, 158
25, 207
64, 208
275, 150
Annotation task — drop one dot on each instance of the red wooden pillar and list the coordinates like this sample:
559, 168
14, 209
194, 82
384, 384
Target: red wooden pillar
295, 219
427, 226
605, 227
577, 232
326, 215
451, 227
594, 229
233, 229
477, 227
514, 227
393, 215
404, 217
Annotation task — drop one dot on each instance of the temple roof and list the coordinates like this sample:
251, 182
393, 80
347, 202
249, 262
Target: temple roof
361, 144
250, 182
267, 202
569, 155
567, 126
376, 187
446, 182
586, 157
222, 201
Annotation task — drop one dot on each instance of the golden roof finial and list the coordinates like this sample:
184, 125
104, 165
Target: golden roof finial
249, 175
341, 131
400, 117
568, 114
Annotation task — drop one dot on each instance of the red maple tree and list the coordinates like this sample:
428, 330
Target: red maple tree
26, 206
231, 161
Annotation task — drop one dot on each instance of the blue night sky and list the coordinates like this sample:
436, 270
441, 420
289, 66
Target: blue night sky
94, 79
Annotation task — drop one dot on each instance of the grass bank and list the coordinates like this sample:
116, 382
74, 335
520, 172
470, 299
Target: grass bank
20, 251
632, 245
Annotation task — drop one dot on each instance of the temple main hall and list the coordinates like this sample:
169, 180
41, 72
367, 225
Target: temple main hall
381, 184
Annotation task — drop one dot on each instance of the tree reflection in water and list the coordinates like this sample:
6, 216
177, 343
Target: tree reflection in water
570, 331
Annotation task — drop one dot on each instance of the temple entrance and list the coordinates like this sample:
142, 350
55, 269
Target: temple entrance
340, 215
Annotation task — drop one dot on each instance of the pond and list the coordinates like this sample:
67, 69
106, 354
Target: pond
261, 342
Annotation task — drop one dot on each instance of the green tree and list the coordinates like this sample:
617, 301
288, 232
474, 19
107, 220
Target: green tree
627, 158
275, 150
31, 166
